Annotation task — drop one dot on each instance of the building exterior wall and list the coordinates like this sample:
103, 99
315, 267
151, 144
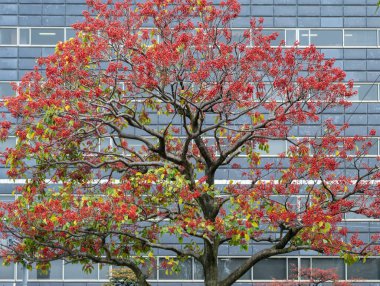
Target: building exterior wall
347, 30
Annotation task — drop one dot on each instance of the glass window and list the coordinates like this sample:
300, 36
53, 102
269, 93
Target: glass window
305, 264
269, 269
55, 271
8, 36
227, 265
104, 271
150, 268
330, 263
7, 198
238, 36
6, 272
74, 271
198, 271
360, 38
185, 272
275, 147
70, 33
326, 37
41, 36
304, 37
292, 268
6, 89
370, 270
365, 92
280, 37
105, 143
8, 143
24, 36
291, 37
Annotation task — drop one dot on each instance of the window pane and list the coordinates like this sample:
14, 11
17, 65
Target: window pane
24, 37
74, 271
8, 143
370, 270
238, 36
46, 36
292, 268
330, 263
6, 89
305, 264
304, 37
365, 92
280, 37
269, 269
6, 198
360, 38
275, 147
104, 271
290, 37
184, 274
55, 271
326, 37
227, 265
198, 271
70, 33
6, 272
8, 36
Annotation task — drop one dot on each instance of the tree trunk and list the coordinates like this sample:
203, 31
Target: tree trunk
210, 264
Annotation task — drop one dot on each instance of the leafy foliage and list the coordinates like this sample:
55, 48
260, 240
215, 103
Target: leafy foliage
122, 132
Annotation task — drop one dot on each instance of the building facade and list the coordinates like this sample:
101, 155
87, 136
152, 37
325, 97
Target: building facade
347, 30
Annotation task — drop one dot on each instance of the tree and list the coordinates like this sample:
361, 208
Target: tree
122, 131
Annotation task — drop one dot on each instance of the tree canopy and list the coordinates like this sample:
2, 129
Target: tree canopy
131, 132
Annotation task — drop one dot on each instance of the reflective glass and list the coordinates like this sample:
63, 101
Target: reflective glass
275, 147
8, 143
6, 198
8, 36
280, 37
291, 37
184, 274
330, 263
305, 263
269, 269
104, 271
227, 265
24, 36
70, 33
41, 36
6, 272
360, 38
292, 268
55, 271
370, 270
304, 37
365, 92
6, 90
326, 37
198, 270
74, 271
